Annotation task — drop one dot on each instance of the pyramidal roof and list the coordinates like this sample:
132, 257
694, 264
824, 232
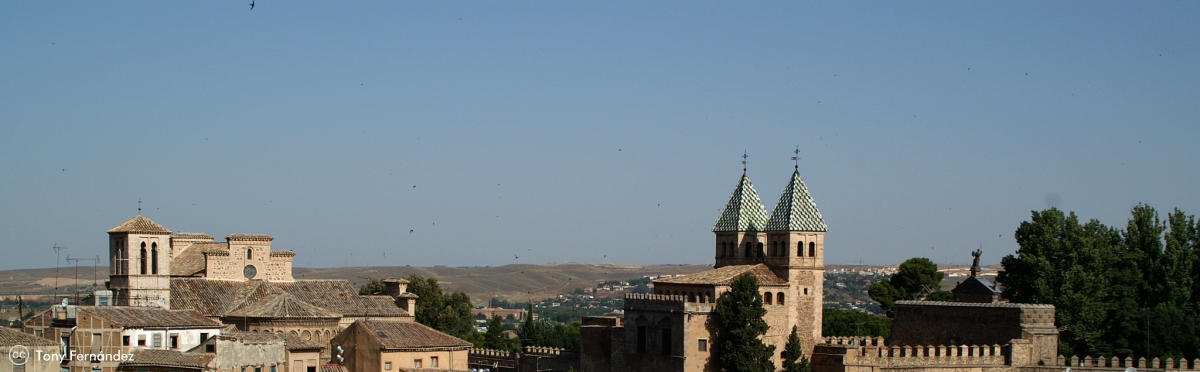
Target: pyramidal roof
139, 225
280, 304
796, 210
744, 211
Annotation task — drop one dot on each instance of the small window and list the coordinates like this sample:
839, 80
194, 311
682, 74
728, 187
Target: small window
210, 348
257, 369
124, 340
760, 249
767, 298
249, 253
387, 366
203, 337
157, 340
174, 342
666, 341
641, 339
806, 291
433, 362
800, 249
154, 258
812, 249
702, 345
779, 298
416, 363
141, 340
273, 369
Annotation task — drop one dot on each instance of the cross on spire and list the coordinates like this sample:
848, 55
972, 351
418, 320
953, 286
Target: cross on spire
796, 158
744, 156
139, 205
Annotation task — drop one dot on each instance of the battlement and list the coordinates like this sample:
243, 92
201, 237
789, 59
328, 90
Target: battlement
646, 301
873, 351
1118, 364
492, 353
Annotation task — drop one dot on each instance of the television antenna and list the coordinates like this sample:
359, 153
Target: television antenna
57, 259
95, 261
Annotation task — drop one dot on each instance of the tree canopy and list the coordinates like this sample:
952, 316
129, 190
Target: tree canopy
739, 316
915, 279
837, 322
450, 313
1123, 292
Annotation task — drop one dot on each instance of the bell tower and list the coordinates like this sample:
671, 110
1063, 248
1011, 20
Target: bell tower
739, 230
795, 235
140, 263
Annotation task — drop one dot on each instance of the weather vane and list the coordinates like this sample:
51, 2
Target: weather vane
139, 205
744, 156
797, 158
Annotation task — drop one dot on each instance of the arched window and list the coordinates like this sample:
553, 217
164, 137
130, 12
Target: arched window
154, 258
142, 259
812, 249
779, 298
760, 249
249, 253
708, 297
748, 250
767, 298
800, 249
691, 297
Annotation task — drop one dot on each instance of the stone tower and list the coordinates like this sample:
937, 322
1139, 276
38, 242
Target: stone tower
740, 229
795, 235
140, 263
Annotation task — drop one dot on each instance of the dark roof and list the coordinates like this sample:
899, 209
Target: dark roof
408, 335
139, 225
168, 358
280, 304
150, 317
249, 237
191, 261
724, 276
220, 297
12, 337
976, 284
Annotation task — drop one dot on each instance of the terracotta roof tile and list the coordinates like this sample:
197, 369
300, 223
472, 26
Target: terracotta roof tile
168, 358
333, 368
219, 297
249, 237
12, 337
149, 317
409, 335
280, 304
725, 275
191, 235
191, 261
139, 225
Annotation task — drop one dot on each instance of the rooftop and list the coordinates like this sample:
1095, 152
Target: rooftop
139, 224
744, 211
149, 317
724, 276
168, 358
409, 335
796, 210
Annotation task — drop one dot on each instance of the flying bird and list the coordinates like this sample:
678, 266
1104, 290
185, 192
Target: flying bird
251, 4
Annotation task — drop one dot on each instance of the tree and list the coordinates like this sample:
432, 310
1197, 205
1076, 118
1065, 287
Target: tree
915, 279
940, 296
450, 313
739, 316
493, 338
793, 355
837, 322
374, 287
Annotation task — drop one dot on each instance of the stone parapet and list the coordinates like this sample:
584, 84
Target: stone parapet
872, 351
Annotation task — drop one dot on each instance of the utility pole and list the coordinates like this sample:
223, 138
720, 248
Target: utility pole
95, 261
57, 259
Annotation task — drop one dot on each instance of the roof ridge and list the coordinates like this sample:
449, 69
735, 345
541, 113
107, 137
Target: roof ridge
139, 224
744, 211
796, 210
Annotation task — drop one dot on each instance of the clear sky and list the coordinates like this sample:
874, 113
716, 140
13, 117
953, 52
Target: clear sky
586, 131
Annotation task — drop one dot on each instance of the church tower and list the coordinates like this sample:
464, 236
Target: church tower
139, 253
795, 235
739, 231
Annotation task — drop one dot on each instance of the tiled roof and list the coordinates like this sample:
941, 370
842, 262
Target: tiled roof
796, 210
280, 304
139, 224
191, 235
409, 335
191, 260
220, 297
168, 358
724, 276
12, 337
333, 368
282, 252
744, 211
249, 237
150, 317
294, 342
250, 337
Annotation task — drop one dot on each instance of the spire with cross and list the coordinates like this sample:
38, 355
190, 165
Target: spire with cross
744, 156
796, 158
139, 205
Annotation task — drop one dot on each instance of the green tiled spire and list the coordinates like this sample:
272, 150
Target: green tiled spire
744, 211
796, 210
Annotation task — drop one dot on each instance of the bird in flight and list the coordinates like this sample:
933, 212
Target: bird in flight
251, 4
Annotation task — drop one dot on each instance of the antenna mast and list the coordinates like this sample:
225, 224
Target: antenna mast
95, 261
57, 258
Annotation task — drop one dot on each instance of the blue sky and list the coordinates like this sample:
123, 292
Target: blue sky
586, 131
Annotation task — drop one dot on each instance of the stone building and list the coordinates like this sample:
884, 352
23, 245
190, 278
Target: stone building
671, 329
23, 350
377, 345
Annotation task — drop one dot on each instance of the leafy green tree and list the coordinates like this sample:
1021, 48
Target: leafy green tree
374, 287
493, 338
739, 317
793, 355
940, 296
450, 313
837, 322
915, 279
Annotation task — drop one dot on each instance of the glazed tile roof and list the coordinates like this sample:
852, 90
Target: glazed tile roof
191, 261
150, 317
168, 358
724, 276
796, 210
139, 224
744, 211
220, 297
280, 304
409, 335
12, 337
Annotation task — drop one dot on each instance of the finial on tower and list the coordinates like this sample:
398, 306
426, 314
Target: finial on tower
139, 205
744, 156
796, 158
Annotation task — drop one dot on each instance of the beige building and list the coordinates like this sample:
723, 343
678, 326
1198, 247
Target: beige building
22, 352
376, 345
670, 330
